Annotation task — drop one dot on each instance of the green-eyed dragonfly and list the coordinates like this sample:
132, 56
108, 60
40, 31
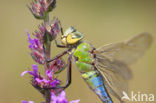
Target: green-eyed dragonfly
104, 69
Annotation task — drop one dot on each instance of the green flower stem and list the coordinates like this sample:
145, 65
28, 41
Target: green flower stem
47, 44
48, 96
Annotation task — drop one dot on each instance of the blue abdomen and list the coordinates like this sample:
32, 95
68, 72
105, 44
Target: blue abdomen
95, 81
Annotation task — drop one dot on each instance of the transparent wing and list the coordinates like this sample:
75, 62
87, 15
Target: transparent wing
114, 83
128, 51
115, 74
112, 62
116, 66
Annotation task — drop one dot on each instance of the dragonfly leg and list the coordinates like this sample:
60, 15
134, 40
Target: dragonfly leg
58, 45
69, 71
68, 81
61, 28
56, 57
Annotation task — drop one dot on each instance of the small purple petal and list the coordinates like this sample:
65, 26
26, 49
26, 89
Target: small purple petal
59, 99
38, 80
34, 43
27, 101
24, 101
46, 81
31, 73
30, 40
42, 80
35, 69
48, 74
23, 73
62, 94
54, 83
34, 73
75, 101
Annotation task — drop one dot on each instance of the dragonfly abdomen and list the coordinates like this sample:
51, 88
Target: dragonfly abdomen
95, 82
84, 60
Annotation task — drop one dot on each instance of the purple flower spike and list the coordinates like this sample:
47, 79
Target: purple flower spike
27, 101
48, 85
61, 98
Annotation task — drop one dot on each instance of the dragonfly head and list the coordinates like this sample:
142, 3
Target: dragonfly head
71, 36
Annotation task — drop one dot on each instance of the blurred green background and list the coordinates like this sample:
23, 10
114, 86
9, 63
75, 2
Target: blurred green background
101, 21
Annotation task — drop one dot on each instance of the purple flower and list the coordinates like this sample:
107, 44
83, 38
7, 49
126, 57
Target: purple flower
33, 73
40, 8
49, 74
35, 44
27, 101
55, 83
39, 81
36, 48
61, 98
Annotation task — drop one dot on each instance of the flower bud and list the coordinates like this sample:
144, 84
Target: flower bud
53, 28
57, 66
40, 8
38, 57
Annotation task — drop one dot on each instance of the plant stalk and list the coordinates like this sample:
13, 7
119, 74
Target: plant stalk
48, 52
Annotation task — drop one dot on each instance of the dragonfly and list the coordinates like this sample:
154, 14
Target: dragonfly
105, 69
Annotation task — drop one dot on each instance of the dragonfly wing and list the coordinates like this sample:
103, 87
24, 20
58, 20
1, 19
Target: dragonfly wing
128, 51
116, 66
114, 83
112, 62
